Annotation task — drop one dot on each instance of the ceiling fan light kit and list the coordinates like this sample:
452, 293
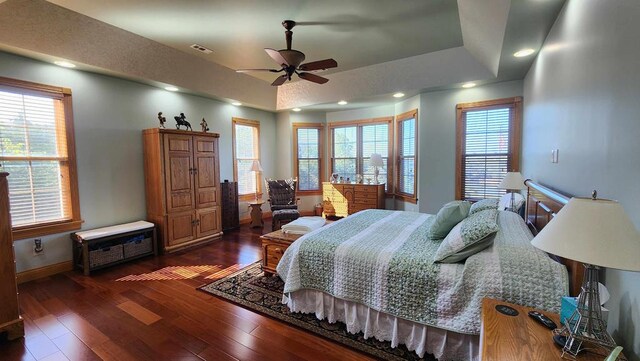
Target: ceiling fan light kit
291, 60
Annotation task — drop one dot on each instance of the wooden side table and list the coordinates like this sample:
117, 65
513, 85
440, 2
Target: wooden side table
512, 338
273, 246
256, 214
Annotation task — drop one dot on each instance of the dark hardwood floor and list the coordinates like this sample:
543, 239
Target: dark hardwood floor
76, 317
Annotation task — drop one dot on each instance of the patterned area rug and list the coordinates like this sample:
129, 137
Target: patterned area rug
251, 289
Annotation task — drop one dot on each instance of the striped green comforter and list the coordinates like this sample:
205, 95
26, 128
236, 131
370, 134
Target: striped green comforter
384, 260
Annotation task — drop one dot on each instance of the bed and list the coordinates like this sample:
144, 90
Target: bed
374, 271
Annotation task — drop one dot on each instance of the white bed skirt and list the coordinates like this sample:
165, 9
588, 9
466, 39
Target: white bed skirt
444, 345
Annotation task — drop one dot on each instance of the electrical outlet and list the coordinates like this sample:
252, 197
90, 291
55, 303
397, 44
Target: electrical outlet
38, 249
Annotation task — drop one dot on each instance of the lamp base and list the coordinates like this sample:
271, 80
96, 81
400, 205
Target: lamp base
376, 173
586, 329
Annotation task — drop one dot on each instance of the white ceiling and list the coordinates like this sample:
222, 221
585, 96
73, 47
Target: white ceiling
381, 46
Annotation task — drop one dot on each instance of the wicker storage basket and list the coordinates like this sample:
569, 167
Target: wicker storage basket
136, 247
105, 255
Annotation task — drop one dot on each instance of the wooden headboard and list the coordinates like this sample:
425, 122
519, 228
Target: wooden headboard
542, 205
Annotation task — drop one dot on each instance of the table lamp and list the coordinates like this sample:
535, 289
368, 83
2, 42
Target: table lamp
256, 168
598, 233
376, 162
513, 182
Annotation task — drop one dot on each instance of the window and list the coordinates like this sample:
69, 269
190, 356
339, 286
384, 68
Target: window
407, 162
488, 146
354, 142
246, 149
307, 159
37, 149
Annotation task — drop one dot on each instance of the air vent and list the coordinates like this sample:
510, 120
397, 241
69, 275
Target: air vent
201, 49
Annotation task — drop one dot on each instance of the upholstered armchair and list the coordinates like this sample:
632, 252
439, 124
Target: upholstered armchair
282, 201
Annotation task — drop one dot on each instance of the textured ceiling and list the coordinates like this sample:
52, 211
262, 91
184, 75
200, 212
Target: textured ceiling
356, 33
381, 46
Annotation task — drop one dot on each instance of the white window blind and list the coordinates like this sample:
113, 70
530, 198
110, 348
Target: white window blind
375, 139
33, 149
308, 148
345, 152
247, 150
407, 156
487, 156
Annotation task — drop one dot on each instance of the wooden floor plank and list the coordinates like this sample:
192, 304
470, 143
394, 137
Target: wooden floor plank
159, 320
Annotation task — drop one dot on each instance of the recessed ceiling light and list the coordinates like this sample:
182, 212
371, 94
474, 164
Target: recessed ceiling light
523, 53
398, 95
469, 85
171, 88
65, 64
296, 109
343, 102
236, 104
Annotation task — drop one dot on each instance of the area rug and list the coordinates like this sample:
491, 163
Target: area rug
251, 289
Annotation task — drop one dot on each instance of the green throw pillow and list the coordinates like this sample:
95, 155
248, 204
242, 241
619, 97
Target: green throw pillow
482, 205
448, 216
470, 236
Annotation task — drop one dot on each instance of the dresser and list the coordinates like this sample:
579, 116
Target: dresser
10, 320
343, 199
230, 210
182, 184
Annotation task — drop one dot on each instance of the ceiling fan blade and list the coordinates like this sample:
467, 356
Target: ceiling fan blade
248, 70
280, 80
312, 77
275, 55
319, 65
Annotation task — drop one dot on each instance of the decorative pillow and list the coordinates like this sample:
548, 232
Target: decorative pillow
483, 204
468, 237
448, 216
505, 202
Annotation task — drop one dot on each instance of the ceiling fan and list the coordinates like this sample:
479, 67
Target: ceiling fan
291, 60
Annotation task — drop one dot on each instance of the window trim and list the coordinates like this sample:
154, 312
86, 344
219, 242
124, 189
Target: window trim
63, 94
406, 197
515, 136
249, 123
320, 128
359, 166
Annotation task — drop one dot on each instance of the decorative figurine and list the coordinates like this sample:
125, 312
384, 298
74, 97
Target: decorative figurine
161, 119
181, 120
341, 179
348, 180
204, 125
358, 178
334, 178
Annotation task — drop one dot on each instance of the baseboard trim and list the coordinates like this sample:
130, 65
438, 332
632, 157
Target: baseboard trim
46, 271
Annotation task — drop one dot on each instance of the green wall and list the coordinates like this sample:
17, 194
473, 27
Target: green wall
109, 114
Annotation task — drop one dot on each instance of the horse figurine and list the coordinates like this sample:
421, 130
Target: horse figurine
161, 119
181, 120
204, 125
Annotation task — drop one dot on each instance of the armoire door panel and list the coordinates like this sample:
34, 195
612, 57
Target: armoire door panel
181, 228
208, 221
207, 177
207, 198
179, 171
179, 143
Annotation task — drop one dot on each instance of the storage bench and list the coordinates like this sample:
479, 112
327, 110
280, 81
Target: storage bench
103, 247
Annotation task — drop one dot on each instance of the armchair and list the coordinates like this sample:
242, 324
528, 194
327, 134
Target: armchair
282, 201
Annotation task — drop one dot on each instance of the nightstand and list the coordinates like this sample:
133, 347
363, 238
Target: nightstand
512, 338
256, 214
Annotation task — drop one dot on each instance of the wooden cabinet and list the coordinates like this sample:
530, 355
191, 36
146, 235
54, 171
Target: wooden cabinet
182, 176
10, 320
344, 199
230, 210
273, 246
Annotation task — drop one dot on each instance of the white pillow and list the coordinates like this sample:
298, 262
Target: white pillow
505, 201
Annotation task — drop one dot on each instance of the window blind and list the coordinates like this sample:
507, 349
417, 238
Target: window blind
345, 152
246, 151
308, 151
375, 139
487, 156
33, 149
407, 156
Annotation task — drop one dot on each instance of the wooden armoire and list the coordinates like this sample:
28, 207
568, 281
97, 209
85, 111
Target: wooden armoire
11, 323
182, 181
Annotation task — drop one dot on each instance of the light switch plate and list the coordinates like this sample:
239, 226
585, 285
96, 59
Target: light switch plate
554, 156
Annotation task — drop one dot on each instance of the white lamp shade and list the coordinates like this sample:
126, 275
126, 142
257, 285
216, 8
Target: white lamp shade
376, 160
597, 232
512, 180
255, 166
